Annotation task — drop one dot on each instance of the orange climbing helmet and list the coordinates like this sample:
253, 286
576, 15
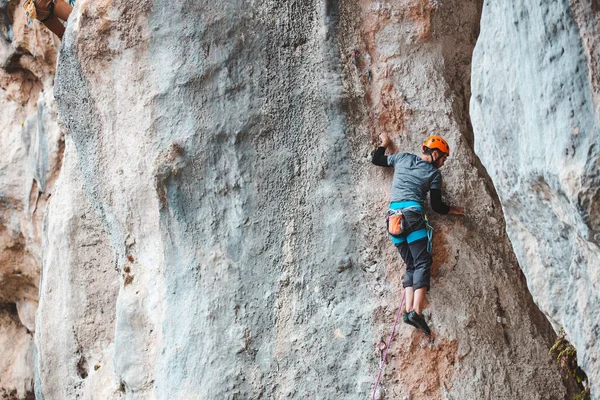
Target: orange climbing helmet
436, 142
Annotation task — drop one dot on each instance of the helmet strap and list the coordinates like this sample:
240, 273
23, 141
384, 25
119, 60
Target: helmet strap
429, 152
434, 161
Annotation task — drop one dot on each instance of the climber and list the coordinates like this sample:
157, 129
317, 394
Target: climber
48, 12
414, 176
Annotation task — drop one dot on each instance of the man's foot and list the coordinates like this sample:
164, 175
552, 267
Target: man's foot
407, 320
418, 321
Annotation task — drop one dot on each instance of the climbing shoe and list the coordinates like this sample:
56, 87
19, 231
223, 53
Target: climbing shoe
407, 320
418, 321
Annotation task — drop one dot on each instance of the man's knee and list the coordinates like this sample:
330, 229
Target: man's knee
422, 275
408, 279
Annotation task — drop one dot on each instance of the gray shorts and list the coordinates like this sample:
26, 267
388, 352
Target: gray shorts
415, 254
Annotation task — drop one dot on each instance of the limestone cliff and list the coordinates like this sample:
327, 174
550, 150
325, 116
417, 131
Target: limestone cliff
217, 230
30, 155
535, 107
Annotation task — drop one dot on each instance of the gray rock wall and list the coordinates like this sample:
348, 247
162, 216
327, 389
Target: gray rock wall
535, 115
236, 247
78, 307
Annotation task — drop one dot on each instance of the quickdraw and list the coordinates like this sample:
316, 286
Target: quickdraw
429, 235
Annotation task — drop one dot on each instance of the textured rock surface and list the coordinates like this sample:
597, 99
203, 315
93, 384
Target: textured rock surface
77, 345
30, 156
225, 153
535, 107
16, 372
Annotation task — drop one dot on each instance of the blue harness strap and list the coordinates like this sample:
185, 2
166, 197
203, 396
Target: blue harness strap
416, 235
397, 205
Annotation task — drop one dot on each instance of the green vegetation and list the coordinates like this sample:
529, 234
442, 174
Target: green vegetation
566, 357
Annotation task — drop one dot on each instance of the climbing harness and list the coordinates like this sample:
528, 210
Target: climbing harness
386, 346
426, 232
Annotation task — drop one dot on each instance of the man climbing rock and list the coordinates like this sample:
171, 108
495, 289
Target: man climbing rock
414, 176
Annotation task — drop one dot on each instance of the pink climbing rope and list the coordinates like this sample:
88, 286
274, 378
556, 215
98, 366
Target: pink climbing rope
384, 350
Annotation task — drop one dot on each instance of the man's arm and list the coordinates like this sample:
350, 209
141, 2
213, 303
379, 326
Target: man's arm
379, 157
438, 205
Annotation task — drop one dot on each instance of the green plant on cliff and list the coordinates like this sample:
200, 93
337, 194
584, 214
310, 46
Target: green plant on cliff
583, 395
566, 357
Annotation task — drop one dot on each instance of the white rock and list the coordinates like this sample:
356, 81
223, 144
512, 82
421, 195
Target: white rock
534, 110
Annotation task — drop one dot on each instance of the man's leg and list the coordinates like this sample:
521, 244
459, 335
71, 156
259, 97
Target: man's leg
421, 276
409, 298
406, 255
419, 299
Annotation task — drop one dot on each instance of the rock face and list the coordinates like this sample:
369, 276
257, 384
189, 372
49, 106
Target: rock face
76, 346
535, 107
30, 156
217, 230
